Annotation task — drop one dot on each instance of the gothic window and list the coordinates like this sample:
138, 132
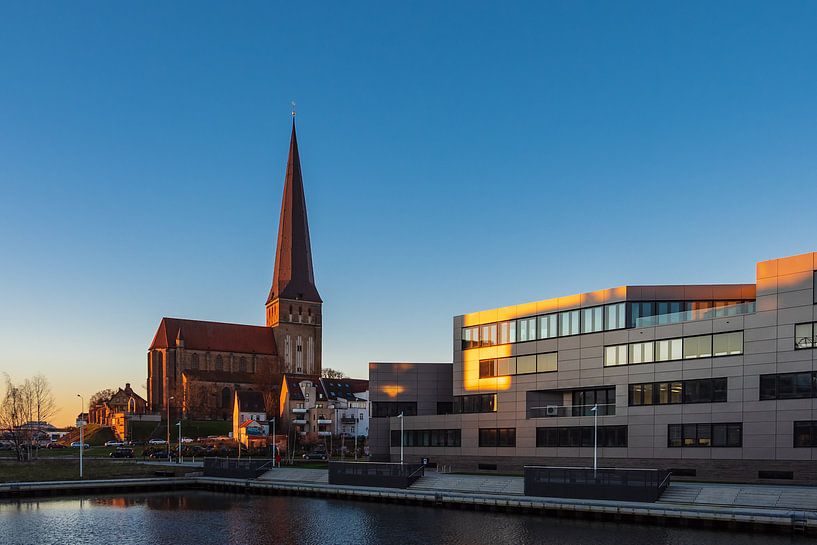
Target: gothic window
194, 361
219, 363
299, 354
310, 354
225, 398
288, 352
242, 364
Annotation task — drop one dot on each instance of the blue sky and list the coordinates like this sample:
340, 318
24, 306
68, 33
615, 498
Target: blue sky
456, 157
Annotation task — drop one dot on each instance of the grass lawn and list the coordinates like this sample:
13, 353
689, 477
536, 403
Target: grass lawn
68, 470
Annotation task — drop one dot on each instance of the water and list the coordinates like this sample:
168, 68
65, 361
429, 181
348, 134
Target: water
209, 518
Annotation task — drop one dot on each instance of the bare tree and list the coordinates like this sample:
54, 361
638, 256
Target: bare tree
100, 396
44, 406
13, 412
328, 372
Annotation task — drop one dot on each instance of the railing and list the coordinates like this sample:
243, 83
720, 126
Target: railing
600, 484
385, 474
235, 468
696, 314
605, 409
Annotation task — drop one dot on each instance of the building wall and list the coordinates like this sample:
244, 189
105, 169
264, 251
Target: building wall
784, 297
425, 384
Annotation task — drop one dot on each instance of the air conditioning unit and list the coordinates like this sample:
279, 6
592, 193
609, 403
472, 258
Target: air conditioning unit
552, 410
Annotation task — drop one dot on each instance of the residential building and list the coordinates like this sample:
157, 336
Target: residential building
323, 407
715, 382
250, 426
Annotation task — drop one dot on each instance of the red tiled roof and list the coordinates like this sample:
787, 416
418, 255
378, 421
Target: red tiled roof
201, 335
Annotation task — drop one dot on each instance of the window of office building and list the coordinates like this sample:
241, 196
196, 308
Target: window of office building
525, 364
581, 436
389, 409
668, 349
487, 335
546, 362
507, 332
470, 337
476, 403
727, 344
548, 326
615, 316
709, 390
505, 367
642, 314
641, 394
669, 312
497, 437
788, 386
427, 438
804, 336
669, 393
603, 398
527, 329
592, 319
705, 435
487, 368
615, 355
569, 323
698, 347
443, 407
642, 352
805, 433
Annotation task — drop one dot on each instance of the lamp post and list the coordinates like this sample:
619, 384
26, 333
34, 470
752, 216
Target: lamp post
595, 410
168, 426
400, 416
81, 423
179, 424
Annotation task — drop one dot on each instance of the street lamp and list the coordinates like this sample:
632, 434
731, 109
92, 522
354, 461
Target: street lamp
81, 439
179, 424
595, 411
400, 416
171, 398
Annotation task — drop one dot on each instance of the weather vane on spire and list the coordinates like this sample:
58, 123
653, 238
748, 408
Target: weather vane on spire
293, 109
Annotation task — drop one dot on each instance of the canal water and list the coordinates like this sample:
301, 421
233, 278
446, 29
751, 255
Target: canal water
209, 518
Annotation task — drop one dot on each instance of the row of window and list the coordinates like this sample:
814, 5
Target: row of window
707, 390
788, 386
595, 319
705, 435
602, 398
497, 437
805, 336
519, 365
685, 348
427, 438
581, 436
476, 403
548, 326
244, 366
389, 409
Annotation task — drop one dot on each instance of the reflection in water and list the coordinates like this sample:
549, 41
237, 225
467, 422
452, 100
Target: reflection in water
205, 518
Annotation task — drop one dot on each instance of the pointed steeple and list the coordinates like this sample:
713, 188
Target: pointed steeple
293, 277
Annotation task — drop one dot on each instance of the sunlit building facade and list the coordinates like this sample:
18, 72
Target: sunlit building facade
712, 381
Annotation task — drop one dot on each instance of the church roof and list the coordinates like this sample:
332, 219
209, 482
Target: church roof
293, 277
201, 335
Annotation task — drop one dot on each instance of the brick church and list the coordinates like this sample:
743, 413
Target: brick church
195, 367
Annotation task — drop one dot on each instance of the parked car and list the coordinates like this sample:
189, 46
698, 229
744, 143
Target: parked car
315, 456
157, 442
55, 445
77, 444
187, 440
122, 452
113, 443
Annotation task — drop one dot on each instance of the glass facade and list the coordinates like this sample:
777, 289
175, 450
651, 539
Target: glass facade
705, 435
699, 346
708, 390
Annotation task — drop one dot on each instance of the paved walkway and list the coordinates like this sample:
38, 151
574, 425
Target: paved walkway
699, 494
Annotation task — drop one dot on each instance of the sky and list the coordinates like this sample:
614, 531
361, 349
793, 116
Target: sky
457, 156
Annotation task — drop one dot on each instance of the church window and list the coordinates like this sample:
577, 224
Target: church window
225, 397
299, 361
310, 354
242, 364
288, 352
219, 363
194, 361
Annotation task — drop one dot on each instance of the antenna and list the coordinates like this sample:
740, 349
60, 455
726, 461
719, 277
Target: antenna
293, 109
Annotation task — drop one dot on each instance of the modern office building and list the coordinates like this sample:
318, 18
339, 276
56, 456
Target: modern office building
712, 381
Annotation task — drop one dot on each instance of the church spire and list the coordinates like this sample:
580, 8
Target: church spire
293, 277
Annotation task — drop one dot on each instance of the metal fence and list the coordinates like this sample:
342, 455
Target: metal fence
602, 484
389, 475
235, 468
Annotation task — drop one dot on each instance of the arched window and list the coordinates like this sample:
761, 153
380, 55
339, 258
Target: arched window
194, 361
219, 363
242, 364
225, 398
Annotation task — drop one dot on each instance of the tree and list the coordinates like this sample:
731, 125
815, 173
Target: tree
100, 396
328, 372
13, 410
